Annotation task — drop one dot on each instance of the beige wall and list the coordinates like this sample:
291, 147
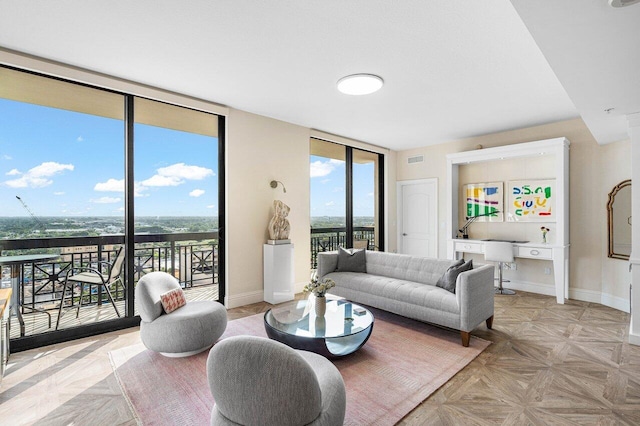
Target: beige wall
259, 150
591, 165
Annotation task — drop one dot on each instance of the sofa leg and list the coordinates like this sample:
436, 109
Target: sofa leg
490, 322
465, 338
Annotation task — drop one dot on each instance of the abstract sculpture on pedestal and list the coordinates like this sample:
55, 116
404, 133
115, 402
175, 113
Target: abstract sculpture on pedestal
279, 225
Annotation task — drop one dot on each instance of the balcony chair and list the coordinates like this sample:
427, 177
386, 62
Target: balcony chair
500, 252
361, 244
185, 331
257, 381
93, 276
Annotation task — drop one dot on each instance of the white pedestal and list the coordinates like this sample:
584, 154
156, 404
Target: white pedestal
278, 273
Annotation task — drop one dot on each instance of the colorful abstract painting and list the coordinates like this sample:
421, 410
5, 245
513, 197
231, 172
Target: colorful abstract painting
484, 200
532, 201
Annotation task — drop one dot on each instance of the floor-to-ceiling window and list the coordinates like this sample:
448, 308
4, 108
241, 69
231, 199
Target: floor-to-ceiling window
366, 199
176, 195
88, 173
346, 198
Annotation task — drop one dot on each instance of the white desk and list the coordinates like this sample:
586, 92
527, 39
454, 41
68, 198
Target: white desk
559, 255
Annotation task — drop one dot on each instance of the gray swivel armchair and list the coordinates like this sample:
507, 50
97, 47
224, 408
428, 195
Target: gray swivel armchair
186, 331
257, 381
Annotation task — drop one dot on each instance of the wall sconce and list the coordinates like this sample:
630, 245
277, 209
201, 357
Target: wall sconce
274, 184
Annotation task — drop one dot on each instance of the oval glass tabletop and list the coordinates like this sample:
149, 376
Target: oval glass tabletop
343, 329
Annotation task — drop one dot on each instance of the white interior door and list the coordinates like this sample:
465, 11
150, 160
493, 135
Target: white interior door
418, 218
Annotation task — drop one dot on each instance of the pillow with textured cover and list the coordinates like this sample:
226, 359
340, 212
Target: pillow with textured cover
448, 279
351, 260
172, 300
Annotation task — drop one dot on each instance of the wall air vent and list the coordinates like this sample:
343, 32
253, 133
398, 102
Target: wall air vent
415, 159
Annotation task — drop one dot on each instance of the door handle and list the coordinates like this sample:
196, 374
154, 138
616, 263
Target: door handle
404, 234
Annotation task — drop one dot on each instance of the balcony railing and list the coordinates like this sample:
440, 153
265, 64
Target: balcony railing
328, 239
190, 257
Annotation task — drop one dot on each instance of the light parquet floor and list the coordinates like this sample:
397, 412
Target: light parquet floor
549, 364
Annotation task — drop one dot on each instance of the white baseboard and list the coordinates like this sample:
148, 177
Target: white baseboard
585, 295
606, 299
530, 287
243, 299
634, 339
248, 298
615, 302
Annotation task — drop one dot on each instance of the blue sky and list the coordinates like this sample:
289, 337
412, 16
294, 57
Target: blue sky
328, 188
64, 163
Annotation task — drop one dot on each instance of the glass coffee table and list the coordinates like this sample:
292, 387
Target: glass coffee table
344, 328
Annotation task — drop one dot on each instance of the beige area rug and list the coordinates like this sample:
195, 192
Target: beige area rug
402, 363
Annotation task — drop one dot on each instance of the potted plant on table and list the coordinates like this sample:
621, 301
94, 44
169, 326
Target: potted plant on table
544, 230
319, 290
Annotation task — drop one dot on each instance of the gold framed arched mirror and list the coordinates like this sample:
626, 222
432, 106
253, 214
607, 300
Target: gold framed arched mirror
619, 220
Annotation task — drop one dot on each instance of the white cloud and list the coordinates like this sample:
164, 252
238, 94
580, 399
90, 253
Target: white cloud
177, 174
323, 181
196, 193
117, 185
159, 180
7, 157
211, 206
173, 175
370, 194
80, 139
58, 193
323, 168
111, 185
338, 189
330, 203
106, 200
13, 172
37, 177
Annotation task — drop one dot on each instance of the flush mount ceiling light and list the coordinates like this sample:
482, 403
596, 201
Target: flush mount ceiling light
360, 84
622, 3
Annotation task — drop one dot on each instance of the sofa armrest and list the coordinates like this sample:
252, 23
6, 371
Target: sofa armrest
327, 263
475, 293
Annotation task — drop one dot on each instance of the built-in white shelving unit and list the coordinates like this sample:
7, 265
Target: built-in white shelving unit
558, 252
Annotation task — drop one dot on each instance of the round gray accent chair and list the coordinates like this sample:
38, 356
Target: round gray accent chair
257, 381
188, 330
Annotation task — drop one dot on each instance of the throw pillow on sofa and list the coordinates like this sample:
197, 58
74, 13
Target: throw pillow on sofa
448, 279
351, 260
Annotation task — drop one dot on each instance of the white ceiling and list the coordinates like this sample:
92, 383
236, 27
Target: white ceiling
452, 68
594, 50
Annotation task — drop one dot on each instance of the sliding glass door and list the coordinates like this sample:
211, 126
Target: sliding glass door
98, 181
176, 194
346, 198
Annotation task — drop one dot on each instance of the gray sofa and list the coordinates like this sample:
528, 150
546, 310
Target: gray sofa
406, 285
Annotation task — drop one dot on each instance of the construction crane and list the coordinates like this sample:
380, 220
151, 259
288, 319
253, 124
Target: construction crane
33, 216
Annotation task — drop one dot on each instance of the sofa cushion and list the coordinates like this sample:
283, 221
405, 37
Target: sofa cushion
448, 279
423, 295
352, 260
411, 268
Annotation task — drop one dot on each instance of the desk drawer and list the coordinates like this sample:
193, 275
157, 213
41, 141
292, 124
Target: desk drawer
535, 252
468, 247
